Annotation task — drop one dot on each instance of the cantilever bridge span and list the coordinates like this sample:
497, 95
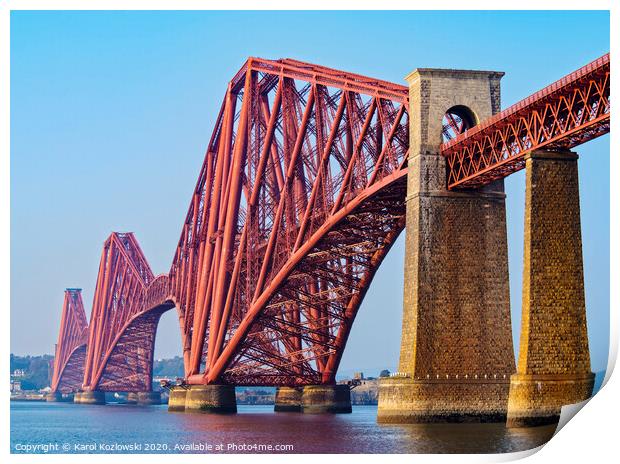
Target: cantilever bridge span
68, 369
300, 197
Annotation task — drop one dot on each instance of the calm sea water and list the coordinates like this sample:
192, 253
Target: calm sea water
65, 427
125, 428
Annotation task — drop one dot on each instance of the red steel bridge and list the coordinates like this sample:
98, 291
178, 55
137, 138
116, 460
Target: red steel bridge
298, 201
68, 369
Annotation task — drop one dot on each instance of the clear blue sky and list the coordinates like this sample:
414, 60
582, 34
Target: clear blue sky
111, 113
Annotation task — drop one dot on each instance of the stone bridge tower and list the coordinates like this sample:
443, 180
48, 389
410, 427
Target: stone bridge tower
456, 354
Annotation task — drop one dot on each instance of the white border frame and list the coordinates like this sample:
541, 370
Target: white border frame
590, 437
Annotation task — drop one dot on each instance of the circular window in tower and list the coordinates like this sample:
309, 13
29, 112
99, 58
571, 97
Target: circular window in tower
456, 121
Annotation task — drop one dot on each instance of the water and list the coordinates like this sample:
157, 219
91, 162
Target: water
79, 428
104, 429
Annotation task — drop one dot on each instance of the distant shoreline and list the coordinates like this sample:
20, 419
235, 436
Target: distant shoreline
25, 398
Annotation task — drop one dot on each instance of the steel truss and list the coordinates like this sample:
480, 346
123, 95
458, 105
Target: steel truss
127, 305
565, 114
68, 367
299, 198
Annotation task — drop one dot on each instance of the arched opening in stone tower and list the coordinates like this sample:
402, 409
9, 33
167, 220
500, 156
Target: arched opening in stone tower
455, 121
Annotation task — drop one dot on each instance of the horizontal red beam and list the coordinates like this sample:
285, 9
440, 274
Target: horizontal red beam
322, 75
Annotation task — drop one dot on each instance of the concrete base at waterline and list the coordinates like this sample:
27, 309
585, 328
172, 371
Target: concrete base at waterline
89, 397
176, 399
408, 401
334, 399
53, 397
288, 399
57, 397
211, 399
538, 399
132, 398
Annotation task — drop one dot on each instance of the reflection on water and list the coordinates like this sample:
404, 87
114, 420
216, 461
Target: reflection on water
474, 438
40, 423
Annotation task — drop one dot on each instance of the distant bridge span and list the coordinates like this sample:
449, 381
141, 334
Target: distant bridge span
70, 354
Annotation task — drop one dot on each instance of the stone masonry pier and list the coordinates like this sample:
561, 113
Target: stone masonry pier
456, 349
554, 360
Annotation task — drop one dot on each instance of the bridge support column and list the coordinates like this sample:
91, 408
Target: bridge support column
132, 398
456, 348
176, 399
89, 397
53, 397
334, 399
59, 397
288, 399
211, 399
554, 360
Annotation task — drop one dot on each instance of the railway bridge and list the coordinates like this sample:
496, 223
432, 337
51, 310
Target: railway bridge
309, 177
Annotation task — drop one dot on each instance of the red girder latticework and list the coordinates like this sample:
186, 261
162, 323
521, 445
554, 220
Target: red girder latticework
565, 114
300, 197
127, 305
68, 368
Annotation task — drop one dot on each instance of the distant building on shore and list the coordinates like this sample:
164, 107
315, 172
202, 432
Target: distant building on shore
16, 386
255, 396
364, 390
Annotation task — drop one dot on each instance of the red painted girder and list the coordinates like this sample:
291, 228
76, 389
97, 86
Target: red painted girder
332, 346
72, 337
322, 75
127, 304
304, 144
565, 114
